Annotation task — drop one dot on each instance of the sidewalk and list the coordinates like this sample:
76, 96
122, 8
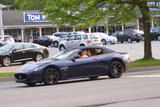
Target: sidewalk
9, 69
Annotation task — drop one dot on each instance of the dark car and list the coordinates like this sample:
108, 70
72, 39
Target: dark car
70, 64
45, 40
22, 52
155, 33
129, 35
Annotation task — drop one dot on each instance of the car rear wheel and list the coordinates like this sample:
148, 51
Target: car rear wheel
39, 57
116, 69
62, 47
51, 76
104, 42
129, 40
6, 61
55, 44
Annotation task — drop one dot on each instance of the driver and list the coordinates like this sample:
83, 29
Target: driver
84, 54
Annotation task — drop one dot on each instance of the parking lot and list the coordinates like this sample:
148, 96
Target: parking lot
136, 51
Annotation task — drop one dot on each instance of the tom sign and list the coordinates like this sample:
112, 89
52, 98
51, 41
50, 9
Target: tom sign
34, 17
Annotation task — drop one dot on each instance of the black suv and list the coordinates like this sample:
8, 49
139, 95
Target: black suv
129, 35
44, 40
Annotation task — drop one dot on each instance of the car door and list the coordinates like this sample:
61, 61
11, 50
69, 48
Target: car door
18, 52
29, 51
85, 67
70, 43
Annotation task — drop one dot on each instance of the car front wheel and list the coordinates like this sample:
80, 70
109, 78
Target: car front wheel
61, 47
129, 40
55, 44
51, 76
116, 69
39, 57
6, 61
104, 42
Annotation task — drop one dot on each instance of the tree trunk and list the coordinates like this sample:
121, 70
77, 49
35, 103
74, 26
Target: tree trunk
146, 25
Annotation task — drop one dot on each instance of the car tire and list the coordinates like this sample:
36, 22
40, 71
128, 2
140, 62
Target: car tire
62, 47
94, 77
104, 42
129, 40
55, 44
30, 84
39, 57
6, 61
51, 76
116, 69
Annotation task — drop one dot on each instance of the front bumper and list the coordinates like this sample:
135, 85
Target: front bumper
31, 77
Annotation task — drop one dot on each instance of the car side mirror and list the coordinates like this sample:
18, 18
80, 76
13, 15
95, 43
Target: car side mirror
76, 56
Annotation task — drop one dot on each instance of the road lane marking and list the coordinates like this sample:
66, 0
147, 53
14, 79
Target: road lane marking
144, 76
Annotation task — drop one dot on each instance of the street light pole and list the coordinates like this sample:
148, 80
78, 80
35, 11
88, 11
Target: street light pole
1, 19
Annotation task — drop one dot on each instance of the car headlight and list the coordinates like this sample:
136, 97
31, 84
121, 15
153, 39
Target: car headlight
38, 68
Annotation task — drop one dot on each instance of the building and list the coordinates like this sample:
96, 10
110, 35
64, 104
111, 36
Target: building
28, 25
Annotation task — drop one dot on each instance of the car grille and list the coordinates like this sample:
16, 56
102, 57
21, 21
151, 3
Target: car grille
21, 76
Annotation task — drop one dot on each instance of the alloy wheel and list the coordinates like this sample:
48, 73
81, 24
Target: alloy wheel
61, 48
129, 40
39, 57
116, 69
104, 42
51, 76
6, 61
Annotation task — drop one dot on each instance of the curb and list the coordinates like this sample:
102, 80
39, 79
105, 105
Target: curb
133, 69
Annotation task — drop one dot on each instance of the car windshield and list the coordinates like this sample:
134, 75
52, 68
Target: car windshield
7, 47
64, 54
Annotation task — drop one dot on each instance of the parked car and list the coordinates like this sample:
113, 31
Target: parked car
155, 33
129, 35
45, 40
22, 52
80, 39
6, 39
70, 64
60, 36
106, 38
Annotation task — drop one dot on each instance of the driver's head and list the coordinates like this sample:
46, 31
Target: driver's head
84, 52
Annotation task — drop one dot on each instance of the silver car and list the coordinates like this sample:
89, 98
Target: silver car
81, 39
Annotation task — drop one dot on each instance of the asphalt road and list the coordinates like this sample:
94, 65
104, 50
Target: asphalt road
136, 89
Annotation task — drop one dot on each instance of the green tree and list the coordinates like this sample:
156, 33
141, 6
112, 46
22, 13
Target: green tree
91, 12
9, 2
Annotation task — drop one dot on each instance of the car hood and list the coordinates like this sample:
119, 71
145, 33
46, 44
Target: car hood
3, 52
31, 66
